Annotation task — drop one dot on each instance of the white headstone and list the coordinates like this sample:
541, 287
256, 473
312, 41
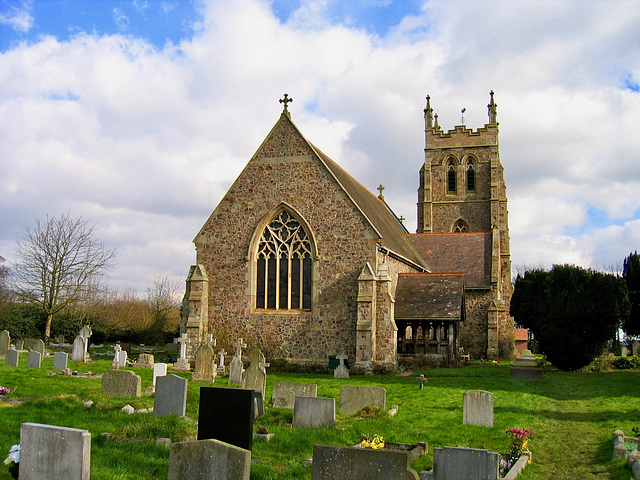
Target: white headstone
79, 349
159, 370
116, 356
122, 358
12, 357
478, 408
60, 360
34, 359
341, 371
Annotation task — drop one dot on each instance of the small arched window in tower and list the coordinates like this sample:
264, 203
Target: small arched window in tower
460, 226
451, 177
283, 263
471, 176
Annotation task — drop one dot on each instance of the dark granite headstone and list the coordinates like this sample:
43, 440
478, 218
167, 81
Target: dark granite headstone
226, 414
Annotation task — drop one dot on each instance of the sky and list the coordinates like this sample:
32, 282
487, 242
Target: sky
138, 115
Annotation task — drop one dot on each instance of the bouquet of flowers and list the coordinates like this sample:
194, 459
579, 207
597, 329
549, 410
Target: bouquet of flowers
13, 460
376, 442
519, 441
4, 390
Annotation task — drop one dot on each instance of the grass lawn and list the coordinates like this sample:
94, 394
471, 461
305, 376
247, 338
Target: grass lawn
573, 416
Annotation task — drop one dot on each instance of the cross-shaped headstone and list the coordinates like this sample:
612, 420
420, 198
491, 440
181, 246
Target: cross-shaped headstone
380, 189
285, 100
422, 381
342, 357
210, 340
222, 353
239, 346
263, 366
183, 340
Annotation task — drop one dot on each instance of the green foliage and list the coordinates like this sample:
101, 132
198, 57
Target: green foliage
22, 320
572, 312
631, 275
626, 363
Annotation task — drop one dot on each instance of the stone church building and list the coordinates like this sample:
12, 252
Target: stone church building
303, 261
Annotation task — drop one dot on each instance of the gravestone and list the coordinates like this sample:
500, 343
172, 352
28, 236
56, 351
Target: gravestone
182, 363
208, 460
354, 398
79, 349
460, 463
478, 408
340, 463
236, 368
51, 452
29, 343
635, 348
5, 342
221, 367
85, 332
341, 371
12, 357
145, 360
116, 356
226, 414
39, 347
172, 347
205, 368
313, 412
171, 396
60, 339
122, 358
255, 377
60, 360
121, 383
19, 344
624, 352
34, 359
285, 393
159, 370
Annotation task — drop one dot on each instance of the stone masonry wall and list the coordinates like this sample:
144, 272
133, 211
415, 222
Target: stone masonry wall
473, 331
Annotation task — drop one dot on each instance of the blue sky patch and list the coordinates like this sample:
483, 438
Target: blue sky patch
629, 83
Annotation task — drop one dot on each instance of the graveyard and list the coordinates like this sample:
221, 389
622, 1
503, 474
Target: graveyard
572, 415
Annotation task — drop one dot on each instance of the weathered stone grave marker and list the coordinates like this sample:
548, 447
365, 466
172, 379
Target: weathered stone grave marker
12, 357
51, 452
79, 349
478, 408
5, 342
226, 414
236, 368
39, 347
116, 356
314, 412
221, 367
208, 459
171, 396
121, 383
354, 398
34, 359
60, 360
461, 463
341, 371
285, 393
19, 344
145, 360
182, 363
205, 369
255, 377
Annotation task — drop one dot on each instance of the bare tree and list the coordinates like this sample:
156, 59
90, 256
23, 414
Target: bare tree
60, 263
4, 281
163, 301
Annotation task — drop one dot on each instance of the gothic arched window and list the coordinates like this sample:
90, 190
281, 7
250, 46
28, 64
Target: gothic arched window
451, 177
471, 176
284, 263
460, 226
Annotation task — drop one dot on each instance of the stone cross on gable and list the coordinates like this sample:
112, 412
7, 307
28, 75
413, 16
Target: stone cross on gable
380, 189
239, 346
222, 353
183, 340
285, 100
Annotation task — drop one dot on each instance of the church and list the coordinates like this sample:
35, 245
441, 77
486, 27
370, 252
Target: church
302, 261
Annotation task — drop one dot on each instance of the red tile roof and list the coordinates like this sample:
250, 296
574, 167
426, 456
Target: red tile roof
430, 296
469, 253
522, 334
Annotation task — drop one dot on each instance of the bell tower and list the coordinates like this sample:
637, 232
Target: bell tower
462, 189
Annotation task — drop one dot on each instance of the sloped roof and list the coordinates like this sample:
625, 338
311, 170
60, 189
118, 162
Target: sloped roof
286, 140
521, 334
430, 296
469, 253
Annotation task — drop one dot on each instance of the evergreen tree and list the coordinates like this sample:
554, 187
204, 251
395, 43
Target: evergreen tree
631, 275
572, 312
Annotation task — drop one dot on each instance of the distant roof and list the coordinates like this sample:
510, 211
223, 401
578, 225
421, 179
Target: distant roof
430, 296
376, 212
521, 334
469, 253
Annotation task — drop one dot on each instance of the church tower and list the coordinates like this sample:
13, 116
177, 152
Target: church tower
462, 189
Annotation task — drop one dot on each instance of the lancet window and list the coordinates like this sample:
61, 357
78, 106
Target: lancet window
451, 177
284, 266
471, 176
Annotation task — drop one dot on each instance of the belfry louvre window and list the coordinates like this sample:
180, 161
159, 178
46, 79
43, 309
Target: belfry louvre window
284, 266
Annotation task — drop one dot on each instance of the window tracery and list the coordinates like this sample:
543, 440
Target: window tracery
284, 264
451, 177
471, 176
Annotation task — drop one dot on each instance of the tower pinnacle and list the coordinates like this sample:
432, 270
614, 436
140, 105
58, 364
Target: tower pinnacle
493, 110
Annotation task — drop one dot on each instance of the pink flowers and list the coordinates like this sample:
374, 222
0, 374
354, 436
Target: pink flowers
517, 433
4, 390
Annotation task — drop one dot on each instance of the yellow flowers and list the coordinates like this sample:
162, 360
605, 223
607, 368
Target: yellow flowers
374, 443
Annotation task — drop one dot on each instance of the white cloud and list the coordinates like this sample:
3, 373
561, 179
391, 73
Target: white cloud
18, 16
145, 141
